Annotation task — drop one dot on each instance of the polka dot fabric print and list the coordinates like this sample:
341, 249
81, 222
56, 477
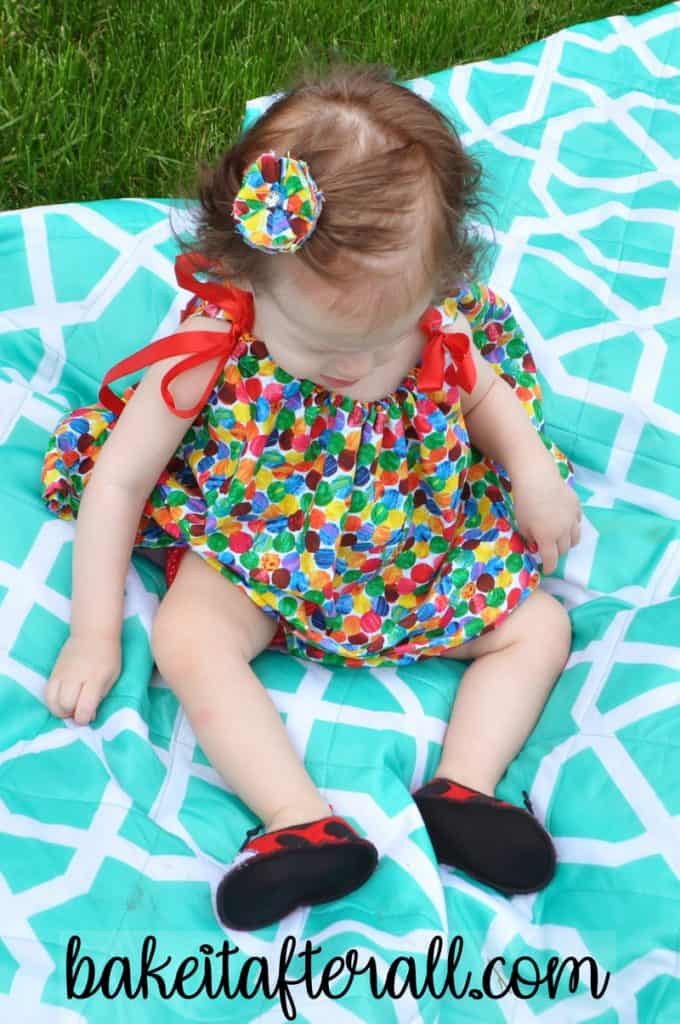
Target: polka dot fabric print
373, 532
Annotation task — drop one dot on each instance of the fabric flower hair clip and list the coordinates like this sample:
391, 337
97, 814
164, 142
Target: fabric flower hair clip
277, 207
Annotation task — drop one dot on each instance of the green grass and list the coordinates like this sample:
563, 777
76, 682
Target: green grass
107, 98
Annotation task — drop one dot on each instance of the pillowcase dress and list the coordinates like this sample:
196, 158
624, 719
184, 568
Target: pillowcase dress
374, 532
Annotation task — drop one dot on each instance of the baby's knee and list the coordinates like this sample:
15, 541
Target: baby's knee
171, 632
550, 624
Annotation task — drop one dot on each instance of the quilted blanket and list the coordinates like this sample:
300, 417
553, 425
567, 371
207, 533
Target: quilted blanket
113, 837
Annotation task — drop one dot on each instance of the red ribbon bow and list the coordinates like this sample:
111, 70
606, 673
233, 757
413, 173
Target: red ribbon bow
431, 375
200, 346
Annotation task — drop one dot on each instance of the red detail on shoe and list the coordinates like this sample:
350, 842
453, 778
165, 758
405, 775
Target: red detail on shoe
327, 831
456, 791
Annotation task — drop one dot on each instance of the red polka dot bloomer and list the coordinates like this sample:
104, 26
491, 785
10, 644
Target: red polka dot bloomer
373, 532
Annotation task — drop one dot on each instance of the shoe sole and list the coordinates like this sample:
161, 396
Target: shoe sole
443, 819
271, 886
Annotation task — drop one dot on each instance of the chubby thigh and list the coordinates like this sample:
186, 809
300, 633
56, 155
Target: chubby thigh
540, 616
200, 600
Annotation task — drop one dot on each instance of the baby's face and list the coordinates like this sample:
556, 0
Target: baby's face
337, 336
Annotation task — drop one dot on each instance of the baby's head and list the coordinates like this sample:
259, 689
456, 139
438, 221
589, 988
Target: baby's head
394, 233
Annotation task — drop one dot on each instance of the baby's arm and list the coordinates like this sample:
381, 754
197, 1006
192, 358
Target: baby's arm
496, 422
546, 508
498, 425
125, 472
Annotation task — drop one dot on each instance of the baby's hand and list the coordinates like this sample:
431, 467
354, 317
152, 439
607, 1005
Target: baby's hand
548, 514
85, 671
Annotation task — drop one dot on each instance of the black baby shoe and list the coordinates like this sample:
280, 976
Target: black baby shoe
492, 840
299, 865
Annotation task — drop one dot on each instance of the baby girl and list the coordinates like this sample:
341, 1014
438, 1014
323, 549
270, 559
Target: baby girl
343, 451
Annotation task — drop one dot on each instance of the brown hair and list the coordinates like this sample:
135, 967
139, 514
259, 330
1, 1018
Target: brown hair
388, 163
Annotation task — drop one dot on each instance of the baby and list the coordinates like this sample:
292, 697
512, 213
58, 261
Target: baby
351, 464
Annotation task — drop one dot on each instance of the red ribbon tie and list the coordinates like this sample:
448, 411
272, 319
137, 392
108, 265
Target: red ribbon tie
431, 376
200, 346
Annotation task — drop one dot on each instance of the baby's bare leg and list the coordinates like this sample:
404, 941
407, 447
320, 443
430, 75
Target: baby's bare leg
502, 693
204, 635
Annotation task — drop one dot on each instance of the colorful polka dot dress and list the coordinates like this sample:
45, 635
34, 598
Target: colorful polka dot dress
373, 532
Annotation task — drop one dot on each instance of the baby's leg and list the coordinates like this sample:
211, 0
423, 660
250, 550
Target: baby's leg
502, 693
204, 635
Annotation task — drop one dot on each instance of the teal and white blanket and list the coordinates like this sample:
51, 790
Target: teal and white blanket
120, 831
